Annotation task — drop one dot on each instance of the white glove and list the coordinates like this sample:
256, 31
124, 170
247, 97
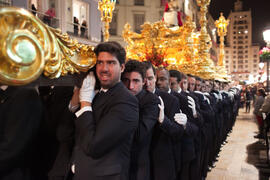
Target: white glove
192, 105
87, 91
73, 168
161, 111
180, 118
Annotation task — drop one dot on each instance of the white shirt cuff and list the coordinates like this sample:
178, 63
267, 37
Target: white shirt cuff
84, 109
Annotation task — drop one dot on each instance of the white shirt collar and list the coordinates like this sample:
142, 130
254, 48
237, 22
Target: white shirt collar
104, 90
179, 91
169, 91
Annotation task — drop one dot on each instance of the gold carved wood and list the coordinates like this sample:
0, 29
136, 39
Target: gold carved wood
29, 48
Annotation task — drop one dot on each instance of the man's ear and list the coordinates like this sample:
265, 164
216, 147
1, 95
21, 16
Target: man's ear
144, 81
122, 66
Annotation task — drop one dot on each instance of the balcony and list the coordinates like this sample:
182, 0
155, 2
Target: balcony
50, 21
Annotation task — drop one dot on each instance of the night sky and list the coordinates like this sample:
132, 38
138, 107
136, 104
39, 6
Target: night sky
260, 10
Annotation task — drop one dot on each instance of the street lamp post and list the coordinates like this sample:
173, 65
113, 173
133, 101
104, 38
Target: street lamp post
221, 25
266, 37
106, 8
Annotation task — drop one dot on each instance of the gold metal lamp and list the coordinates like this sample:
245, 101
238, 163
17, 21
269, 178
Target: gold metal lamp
221, 25
106, 8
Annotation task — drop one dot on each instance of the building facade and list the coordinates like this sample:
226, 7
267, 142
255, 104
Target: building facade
66, 11
241, 56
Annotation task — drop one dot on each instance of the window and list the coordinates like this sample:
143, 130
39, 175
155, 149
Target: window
240, 27
246, 46
138, 21
139, 2
227, 66
240, 62
255, 60
255, 65
234, 56
227, 51
246, 76
227, 57
255, 55
246, 66
246, 51
240, 66
5, 3
246, 56
234, 51
227, 61
246, 61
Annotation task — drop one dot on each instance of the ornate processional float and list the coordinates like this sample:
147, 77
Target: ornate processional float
181, 48
31, 48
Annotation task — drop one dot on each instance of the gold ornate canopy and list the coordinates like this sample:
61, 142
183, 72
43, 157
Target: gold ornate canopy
180, 48
29, 47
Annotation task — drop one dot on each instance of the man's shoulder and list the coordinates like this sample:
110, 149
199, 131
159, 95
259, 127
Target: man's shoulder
120, 92
146, 96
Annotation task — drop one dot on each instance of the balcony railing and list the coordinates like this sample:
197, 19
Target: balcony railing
50, 21
78, 30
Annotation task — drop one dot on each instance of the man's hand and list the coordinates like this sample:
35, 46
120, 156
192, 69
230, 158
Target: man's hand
161, 111
192, 105
87, 91
181, 118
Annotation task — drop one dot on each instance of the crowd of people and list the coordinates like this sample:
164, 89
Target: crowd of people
124, 120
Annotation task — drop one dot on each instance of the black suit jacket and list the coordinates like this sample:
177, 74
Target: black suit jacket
191, 131
20, 117
104, 136
164, 153
140, 151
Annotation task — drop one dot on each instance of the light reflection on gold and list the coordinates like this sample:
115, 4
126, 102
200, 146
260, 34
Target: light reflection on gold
106, 8
29, 47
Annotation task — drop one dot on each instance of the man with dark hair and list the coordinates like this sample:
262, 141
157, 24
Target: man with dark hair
107, 121
175, 78
198, 83
166, 142
134, 78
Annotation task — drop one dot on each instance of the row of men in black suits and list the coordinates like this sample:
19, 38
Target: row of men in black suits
153, 129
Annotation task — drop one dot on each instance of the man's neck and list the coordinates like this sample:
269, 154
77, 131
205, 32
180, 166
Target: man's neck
3, 87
